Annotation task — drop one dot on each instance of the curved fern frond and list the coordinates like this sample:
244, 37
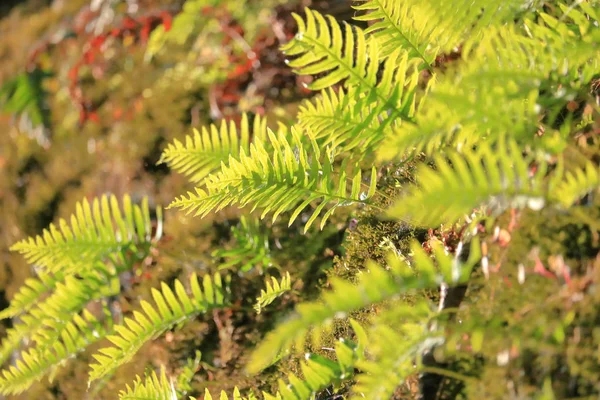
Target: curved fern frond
187, 374
406, 327
344, 53
203, 153
341, 121
374, 285
277, 181
152, 387
97, 231
224, 396
34, 364
45, 322
319, 373
576, 184
428, 28
500, 176
170, 310
274, 290
251, 249
30, 293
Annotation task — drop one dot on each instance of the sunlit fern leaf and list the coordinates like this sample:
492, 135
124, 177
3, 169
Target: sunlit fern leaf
46, 320
184, 379
274, 289
374, 285
499, 177
33, 364
576, 184
397, 339
251, 249
153, 387
532, 75
30, 293
428, 28
97, 232
344, 53
203, 153
340, 120
319, 373
277, 181
171, 310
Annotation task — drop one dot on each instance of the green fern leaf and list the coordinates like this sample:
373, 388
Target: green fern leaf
33, 364
170, 310
203, 153
251, 249
428, 28
30, 293
152, 387
499, 177
276, 182
339, 120
408, 328
319, 373
97, 231
45, 322
576, 184
274, 290
344, 53
374, 285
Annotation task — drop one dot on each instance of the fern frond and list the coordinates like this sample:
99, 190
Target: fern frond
344, 53
34, 364
373, 286
319, 373
97, 231
470, 180
576, 184
170, 310
397, 339
187, 374
30, 293
341, 121
152, 387
203, 153
251, 249
274, 290
277, 181
45, 322
428, 28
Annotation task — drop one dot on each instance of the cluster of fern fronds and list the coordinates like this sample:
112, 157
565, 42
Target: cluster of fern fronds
495, 102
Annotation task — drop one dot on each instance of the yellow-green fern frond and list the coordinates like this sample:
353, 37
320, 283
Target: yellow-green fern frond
30, 293
500, 177
344, 53
170, 310
341, 121
203, 153
319, 373
154, 387
277, 181
97, 231
187, 374
428, 28
576, 184
376, 284
274, 290
251, 249
44, 323
34, 364
397, 339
